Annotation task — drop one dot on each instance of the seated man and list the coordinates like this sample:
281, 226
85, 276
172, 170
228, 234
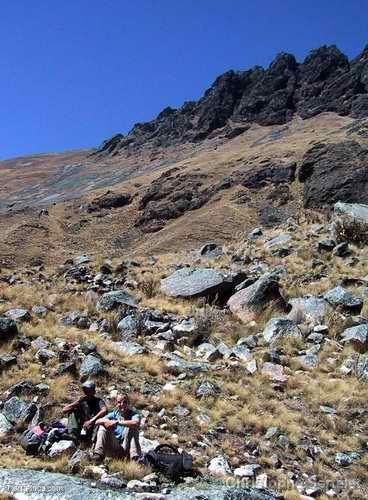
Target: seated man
117, 430
84, 413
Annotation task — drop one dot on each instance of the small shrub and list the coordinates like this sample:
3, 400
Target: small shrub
206, 318
149, 286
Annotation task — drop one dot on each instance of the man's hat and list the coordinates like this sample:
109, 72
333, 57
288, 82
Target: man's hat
89, 384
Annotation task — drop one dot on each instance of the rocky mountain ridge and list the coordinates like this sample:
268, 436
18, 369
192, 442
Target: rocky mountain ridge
325, 81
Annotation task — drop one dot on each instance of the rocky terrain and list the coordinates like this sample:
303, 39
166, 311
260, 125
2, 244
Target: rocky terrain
213, 264
251, 356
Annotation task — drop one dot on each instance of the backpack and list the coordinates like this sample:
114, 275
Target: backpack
30, 442
167, 459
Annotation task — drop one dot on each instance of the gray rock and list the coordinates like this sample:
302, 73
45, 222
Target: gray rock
8, 328
7, 360
60, 448
341, 250
362, 368
18, 315
308, 361
278, 328
281, 239
241, 352
219, 466
207, 389
208, 352
91, 367
76, 318
339, 297
44, 355
185, 327
308, 309
255, 234
250, 341
175, 362
356, 211
249, 470
40, 343
345, 459
115, 299
129, 348
193, 282
326, 245
40, 310
357, 336
181, 411
128, 326
5, 426
210, 250
16, 410
81, 259
272, 432
249, 303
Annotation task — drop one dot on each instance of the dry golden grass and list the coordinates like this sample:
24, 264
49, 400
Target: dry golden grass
129, 469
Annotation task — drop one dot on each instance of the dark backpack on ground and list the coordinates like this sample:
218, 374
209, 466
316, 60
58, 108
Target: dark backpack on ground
168, 460
30, 442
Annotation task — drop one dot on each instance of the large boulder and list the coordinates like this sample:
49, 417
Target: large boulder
8, 328
115, 299
192, 282
249, 303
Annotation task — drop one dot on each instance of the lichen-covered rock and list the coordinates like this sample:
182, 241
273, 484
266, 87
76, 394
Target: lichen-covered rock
114, 299
278, 328
91, 367
343, 299
357, 336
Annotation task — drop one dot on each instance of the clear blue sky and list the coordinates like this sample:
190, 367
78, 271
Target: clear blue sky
74, 72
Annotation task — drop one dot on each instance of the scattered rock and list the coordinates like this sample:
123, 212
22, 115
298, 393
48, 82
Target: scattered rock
274, 372
357, 336
249, 303
115, 299
219, 466
341, 298
210, 250
247, 470
194, 282
278, 328
91, 367
60, 448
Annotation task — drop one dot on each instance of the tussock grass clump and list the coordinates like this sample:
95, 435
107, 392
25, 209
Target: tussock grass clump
129, 469
351, 230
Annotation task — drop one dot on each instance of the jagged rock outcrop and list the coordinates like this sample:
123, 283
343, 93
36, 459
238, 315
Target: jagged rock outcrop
325, 81
334, 172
